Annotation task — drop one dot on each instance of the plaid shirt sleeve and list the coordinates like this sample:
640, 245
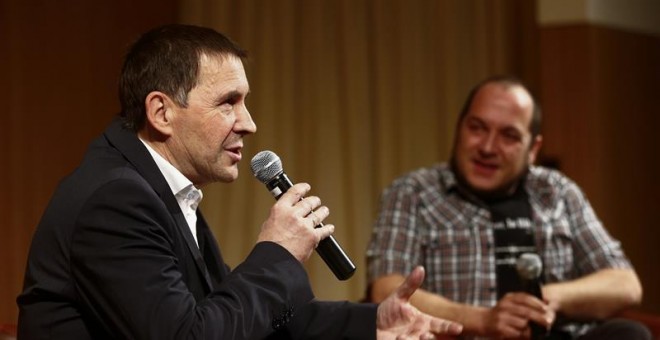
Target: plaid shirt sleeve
593, 247
394, 245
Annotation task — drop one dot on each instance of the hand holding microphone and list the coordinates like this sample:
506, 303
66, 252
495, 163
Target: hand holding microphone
267, 168
291, 223
529, 268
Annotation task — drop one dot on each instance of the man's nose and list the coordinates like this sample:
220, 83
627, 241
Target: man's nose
488, 144
244, 123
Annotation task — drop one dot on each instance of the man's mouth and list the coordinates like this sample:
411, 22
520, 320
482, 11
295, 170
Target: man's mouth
484, 167
235, 152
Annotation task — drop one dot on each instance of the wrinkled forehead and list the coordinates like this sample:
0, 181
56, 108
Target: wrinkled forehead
212, 62
216, 68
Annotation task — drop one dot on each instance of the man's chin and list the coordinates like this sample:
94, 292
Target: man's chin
226, 175
481, 184
228, 178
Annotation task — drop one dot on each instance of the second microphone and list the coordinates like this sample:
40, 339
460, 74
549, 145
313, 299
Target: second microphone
267, 168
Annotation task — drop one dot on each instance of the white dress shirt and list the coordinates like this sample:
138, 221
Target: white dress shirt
183, 189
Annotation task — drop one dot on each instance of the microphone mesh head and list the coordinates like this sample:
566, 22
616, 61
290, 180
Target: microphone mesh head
266, 165
529, 266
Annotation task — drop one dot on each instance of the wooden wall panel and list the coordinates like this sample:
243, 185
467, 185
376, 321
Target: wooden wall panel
59, 64
600, 115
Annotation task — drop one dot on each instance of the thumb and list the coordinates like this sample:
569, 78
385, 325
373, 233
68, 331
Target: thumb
413, 281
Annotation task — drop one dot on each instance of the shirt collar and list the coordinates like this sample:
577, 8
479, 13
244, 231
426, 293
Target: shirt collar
180, 185
447, 178
451, 184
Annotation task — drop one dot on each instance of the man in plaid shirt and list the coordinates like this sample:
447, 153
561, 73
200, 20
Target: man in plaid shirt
468, 222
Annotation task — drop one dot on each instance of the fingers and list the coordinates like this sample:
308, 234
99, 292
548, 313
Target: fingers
311, 209
294, 194
323, 232
512, 314
305, 207
427, 327
413, 281
530, 308
441, 326
295, 222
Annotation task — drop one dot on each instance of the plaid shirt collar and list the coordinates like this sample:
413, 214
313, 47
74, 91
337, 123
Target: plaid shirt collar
450, 184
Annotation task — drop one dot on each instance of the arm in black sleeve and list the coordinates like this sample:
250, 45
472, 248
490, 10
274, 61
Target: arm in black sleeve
129, 279
333, 320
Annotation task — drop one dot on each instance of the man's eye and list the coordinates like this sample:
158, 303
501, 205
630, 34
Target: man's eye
225, 107
475, 127
228, 102
511, 137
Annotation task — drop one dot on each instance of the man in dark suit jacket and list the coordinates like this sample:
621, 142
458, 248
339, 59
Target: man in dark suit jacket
123, 252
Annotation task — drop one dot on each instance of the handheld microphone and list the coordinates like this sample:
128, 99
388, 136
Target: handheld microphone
529, 267
267, 168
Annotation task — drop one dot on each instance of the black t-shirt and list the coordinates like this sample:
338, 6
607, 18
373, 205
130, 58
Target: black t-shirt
514, 235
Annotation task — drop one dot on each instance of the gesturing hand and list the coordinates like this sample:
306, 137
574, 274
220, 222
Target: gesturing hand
398, 319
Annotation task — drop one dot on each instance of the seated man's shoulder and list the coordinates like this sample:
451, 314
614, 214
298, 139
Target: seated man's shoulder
551, 184
546, 176
424, 177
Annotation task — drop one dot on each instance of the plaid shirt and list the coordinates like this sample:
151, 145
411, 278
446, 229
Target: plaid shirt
424, 221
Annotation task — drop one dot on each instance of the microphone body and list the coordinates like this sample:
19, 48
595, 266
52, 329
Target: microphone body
529, 267
328, 248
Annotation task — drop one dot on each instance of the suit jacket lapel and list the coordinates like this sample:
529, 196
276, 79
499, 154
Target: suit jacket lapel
212, 257
137, 154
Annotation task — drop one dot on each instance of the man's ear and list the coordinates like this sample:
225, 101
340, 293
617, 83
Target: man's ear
158, 109
534, 149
